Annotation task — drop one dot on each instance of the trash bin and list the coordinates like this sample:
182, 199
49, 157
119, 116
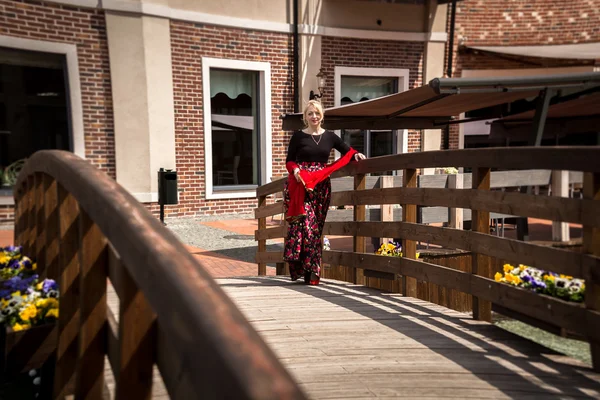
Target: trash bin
167, 186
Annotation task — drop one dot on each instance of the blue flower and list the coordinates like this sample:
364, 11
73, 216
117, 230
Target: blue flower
49, 285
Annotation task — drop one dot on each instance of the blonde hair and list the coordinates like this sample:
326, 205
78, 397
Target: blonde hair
317, 106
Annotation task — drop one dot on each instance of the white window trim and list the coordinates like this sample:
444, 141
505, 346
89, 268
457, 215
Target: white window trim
400, 73
264, 69
74, 87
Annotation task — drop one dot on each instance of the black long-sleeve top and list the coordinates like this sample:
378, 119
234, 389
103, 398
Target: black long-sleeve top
303, 148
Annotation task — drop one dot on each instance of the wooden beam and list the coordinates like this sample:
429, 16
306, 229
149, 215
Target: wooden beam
92, 335
360, 242
481, 264
264, 257
456, 213
137, 339
543, 257
265, 210
560, 188
52, 228
40, 221
591, 245
262, 224
409, 214
543, 207
69, 315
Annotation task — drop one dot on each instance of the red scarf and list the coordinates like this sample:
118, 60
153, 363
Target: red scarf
308, 181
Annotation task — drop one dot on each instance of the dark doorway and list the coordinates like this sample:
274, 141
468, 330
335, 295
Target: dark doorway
34, 111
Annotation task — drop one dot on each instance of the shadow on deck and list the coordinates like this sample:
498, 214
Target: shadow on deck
341, 340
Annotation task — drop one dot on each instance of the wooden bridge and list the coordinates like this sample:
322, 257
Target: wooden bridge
168, 322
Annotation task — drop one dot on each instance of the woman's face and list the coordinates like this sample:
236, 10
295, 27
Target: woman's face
313, 117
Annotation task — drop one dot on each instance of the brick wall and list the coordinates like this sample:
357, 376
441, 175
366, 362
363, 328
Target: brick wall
519, 22
347, 52
190, 42
86, 28
528, 22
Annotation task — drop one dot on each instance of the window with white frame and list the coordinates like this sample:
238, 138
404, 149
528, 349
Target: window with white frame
237, 126
353, 85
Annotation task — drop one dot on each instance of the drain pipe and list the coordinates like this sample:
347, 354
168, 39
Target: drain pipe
451, 43
296, 56
446, 144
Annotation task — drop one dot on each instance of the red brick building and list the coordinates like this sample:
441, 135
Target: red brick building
523, 37
137, 85
199, 87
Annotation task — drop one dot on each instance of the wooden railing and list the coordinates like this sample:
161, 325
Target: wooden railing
83, 228
583, 319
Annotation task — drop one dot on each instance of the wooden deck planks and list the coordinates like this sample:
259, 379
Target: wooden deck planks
342, 341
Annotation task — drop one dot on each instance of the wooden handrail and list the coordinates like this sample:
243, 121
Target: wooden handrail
576, 158
581, 162
214, 350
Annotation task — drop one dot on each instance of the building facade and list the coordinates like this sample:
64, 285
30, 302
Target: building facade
519, 38
137, 85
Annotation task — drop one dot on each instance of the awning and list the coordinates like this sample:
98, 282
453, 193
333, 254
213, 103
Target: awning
586, 105
577, 51
437, 103
575, 116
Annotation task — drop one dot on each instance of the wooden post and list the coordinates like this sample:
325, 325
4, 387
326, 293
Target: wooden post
409, 247
40, 224
18, 217
282, 268
456, 181
92, 335
591, 245
52, 228
29, 237
480, 222
69, 285
262, 243
387, 210
360, 214
560, 188
137, 341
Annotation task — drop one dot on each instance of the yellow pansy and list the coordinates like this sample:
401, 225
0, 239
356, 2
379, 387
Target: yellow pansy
34, 266
4, 259
53, 312
29, 312
19, 327
507, 267
498, 277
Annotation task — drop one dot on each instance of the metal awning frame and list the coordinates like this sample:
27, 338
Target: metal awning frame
547, 86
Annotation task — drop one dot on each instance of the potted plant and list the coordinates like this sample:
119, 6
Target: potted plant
28, 313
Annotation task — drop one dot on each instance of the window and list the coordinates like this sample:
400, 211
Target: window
34, 113
237, 128
358, 88
353, 85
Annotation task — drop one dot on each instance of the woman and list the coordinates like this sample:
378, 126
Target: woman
307, 192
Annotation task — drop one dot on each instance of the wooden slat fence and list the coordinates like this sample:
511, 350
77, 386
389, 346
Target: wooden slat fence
487, 251
86, 230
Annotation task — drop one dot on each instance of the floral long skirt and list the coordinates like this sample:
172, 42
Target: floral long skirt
303, 249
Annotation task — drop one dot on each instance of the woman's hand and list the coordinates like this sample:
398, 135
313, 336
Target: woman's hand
297, 174
359, 156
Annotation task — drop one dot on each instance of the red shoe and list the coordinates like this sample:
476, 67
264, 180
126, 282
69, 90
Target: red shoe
314, 279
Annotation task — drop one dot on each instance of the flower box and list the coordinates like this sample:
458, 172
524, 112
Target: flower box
28, 313
25, 350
